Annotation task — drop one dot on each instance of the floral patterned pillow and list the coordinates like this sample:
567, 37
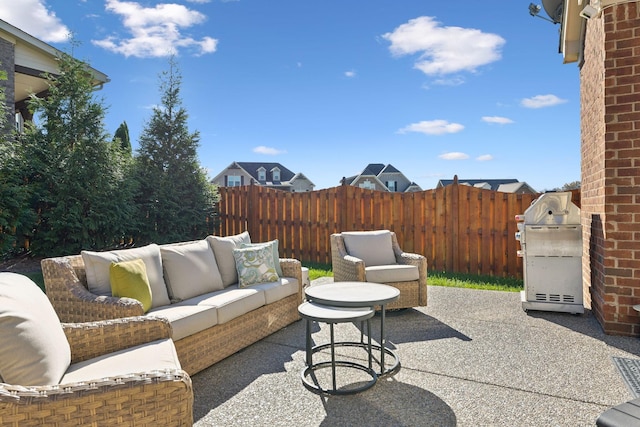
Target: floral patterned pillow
255, 265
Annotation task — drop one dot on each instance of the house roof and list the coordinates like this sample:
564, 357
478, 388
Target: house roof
252, 169
373, 169
494, 183
515, 187
32, 59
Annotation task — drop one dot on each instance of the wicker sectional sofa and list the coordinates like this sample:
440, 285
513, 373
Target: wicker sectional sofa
208, 324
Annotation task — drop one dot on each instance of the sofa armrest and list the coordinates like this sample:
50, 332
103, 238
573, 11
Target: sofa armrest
157, 398
93, 339
293, 268
72, 300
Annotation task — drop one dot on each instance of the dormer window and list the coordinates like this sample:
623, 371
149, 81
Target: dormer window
262, 174
276, 174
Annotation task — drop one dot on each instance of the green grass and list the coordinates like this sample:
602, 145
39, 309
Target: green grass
440, 278
459, 280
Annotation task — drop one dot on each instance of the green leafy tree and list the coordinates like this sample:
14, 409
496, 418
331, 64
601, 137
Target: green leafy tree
175, 198
77, 178
122, 137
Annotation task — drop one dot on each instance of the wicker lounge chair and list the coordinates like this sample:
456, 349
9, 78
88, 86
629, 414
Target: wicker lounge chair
162, 397
376, 256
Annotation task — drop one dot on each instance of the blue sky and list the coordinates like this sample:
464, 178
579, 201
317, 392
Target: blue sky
437, 89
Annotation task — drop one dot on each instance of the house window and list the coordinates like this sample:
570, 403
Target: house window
234, 181
276, 174
391, 185
262, 174
367, 185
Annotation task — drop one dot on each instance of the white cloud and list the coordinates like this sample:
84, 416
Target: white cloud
432, 127
497, 120
350, 73
455, 155
444, 50
541, 101
484, 158
33, 17
155, 31
454, 81
199, 1
269, 151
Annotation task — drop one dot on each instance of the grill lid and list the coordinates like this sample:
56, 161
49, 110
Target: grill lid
552, 208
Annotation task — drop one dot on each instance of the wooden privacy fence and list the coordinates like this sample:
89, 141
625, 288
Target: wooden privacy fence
458, 228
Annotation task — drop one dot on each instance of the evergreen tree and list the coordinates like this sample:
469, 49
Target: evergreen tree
175, 198
122, 137
77, 178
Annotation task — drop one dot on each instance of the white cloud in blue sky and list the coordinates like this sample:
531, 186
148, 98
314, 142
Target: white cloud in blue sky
444, 50
454, 155
155, 31
484, 158
497, 120
433, 127
36, 19
268, 151
542, 101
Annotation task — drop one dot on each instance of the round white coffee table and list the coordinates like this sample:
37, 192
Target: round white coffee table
360, 294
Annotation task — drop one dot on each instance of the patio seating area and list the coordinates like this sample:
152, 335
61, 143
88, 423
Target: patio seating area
469, 358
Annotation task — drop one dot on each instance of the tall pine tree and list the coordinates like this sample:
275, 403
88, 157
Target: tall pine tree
175, 198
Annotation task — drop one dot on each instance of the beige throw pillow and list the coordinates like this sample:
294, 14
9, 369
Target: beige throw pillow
373, 247
223, 250
190, 269
97, 267
34, 349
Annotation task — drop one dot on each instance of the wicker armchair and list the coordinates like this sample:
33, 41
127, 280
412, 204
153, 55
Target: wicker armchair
155, 398
160, 396
346, 267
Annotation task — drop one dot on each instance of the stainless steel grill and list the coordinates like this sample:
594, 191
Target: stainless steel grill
550, 237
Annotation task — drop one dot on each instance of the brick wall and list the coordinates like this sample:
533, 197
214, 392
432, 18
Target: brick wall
610, 150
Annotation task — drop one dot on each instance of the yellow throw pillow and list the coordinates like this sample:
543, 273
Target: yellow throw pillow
129, 279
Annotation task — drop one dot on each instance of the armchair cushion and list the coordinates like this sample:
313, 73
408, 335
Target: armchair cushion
153, 356
373, 247
223, 249
34, 349
392, 273
97, 268
195, 261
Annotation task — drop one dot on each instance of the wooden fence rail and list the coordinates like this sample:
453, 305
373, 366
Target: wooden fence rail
458, 228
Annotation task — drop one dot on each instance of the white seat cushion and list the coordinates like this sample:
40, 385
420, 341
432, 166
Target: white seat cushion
97, 267
231, 302
275, 291
391, 273
155, 355
373, 247
187, 319
190, 269
223, 249
33, 347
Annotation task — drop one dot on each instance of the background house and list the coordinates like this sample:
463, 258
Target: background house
272, 175
377, 176
25, 60
503, 185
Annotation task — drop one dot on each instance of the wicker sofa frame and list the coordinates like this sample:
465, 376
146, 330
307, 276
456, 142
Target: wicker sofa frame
66, 286
347, 268
154, 398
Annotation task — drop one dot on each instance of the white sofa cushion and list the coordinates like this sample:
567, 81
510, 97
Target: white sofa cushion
231, 302
153, 356
187, 319
275, 291
33, 347
97, 267
223, 249
391, 273
373, 247
190, 269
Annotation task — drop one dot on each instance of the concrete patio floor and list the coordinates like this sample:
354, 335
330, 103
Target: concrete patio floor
471, 358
